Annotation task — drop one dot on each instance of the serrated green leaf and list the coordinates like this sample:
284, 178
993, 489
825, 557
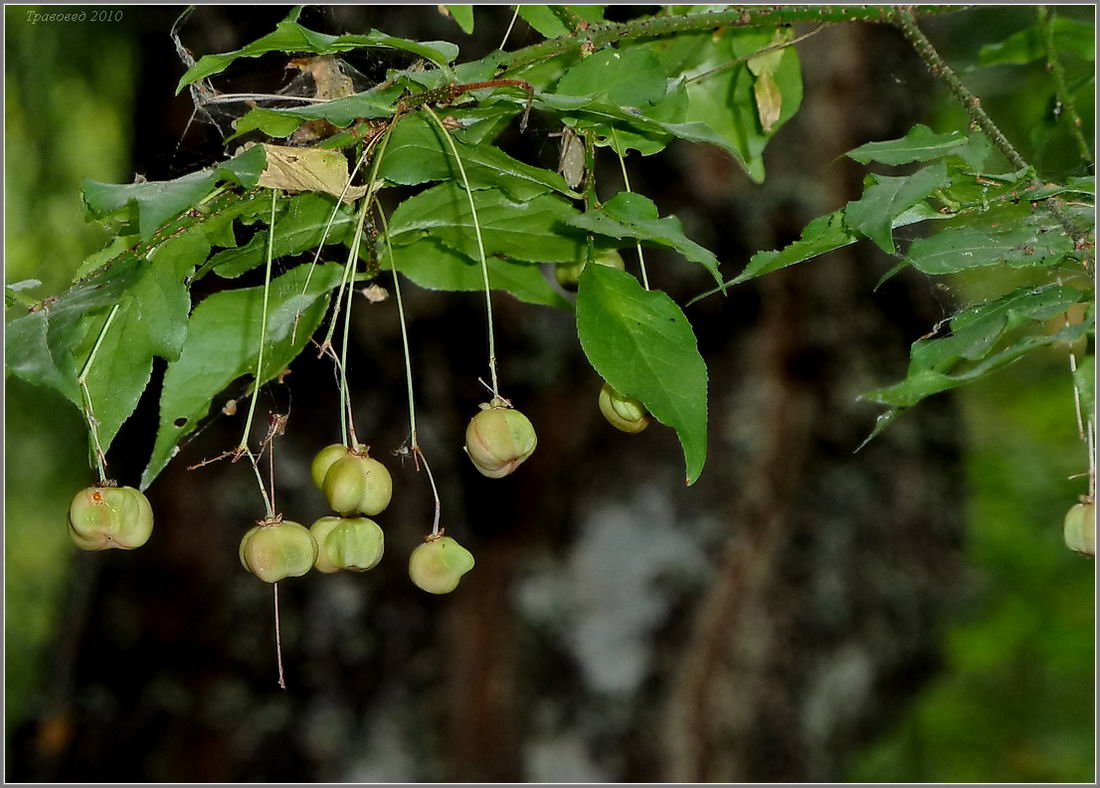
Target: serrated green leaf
300, 223
629, 215
417, 153
1026, 46
640, 342
535, 231
873, 214
463, 15
976, 331
290, 37
434, 266
920, 144
222, 343
1015, 236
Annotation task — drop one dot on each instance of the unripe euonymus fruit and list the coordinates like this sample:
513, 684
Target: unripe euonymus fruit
1079, 529
101, 518
352, 482
568, 273
498, 439
352, 543
275, 550
625, 413
437, 565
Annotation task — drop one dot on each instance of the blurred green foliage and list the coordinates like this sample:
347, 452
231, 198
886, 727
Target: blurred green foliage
69, 95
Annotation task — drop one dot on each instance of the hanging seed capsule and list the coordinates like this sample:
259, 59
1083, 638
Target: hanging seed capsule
355, 484
498, 440
324, 460
438, 564
275, 551
567, 274
102, 518
1079, 528
625, 413
355, 544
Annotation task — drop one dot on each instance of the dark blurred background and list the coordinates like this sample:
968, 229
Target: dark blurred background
802, 613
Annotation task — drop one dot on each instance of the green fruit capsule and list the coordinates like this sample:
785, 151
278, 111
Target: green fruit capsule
498, 440
437, 565
625, 413
352, 543
102, 518
324, 460
567, 274
1079, 528
355, 484
275, 551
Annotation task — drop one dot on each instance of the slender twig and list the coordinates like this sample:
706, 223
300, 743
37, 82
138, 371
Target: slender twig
1058, 74
347, 425
278, 637
739, 16
588, 188
413, 440
751, 55
89, 413
626, 184
907, 23
435, 493
480, 248
263, 329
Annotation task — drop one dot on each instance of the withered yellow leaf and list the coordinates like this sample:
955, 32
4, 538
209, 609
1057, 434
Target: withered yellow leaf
308, 170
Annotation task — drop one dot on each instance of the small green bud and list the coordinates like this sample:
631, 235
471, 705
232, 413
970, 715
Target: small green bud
498, 440
101, 518
567, 274
1079, 528
625, 413
438, 564
357, 484
275, 551
352, 543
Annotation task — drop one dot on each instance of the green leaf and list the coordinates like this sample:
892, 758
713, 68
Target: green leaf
1016, 236
290, 37
222, 343
920, 144
299, 225
629, 215
630, 77
975, 334
535, 231
151, 321
153, 203
378, 102
724, 100
873, 214
824, 234
432, 265
550, 20
417, 153
464, 16
642, 345
1026, 46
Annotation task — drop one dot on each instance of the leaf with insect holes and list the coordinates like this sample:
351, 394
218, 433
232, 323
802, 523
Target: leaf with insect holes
289, 36
640, 342
434, 266
535, 231
417, 153
300, 225
222, 343
308, 170
629, 215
